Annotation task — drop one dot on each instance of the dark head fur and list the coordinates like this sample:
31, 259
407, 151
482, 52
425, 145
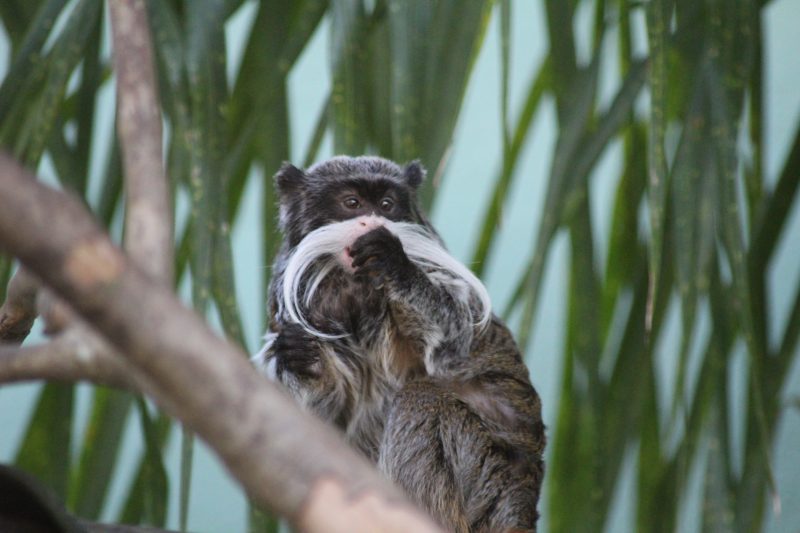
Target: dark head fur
313, 198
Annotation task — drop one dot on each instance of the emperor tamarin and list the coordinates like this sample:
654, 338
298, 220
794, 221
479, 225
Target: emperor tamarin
377, 329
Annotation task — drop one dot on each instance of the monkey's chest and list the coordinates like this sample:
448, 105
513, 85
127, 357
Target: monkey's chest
342, 305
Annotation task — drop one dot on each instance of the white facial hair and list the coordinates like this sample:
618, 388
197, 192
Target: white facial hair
327, 247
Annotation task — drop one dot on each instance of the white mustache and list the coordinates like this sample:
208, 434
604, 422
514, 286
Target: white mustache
326, 248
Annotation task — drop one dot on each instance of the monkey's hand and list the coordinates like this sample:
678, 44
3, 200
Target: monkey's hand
297, 352
379, 258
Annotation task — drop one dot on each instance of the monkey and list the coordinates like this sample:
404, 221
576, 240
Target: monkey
377, 329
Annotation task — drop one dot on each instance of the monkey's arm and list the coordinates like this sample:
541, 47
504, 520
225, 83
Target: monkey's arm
432, 311
312, 371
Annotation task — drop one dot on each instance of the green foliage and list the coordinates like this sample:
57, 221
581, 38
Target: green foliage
693, 221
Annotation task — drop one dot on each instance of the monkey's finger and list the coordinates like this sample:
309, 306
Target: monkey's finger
364, 258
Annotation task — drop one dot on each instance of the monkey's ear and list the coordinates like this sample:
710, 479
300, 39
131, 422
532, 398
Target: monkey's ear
289, 179
414, 173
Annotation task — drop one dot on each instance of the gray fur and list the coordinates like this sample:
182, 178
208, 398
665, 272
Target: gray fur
398, 351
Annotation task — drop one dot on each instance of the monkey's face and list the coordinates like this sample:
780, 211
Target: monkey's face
353, 197
344, 188
330, 250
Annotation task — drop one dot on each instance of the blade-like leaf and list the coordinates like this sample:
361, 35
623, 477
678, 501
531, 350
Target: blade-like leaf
205, 60
45, 450
717, 502
658, 14
99, 452
582, 96
147, 496
777, 207
653, 511
493, 216
505, 54
62, 60
28, 58
319, 133
187, 460
624, 241
690, 179
347, 56
91, 79
427, 64
16, 15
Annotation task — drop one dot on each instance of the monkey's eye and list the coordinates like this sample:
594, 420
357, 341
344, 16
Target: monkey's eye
351, 202
387, 204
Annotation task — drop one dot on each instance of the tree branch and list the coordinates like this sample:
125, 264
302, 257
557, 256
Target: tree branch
74, 355
148, 224
286, 460
19, 310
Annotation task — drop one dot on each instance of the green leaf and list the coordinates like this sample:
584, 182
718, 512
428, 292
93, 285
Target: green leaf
5, 274
187, 456
91, 79
319, 133
773, 216
205, 56
788, 347
658, 14
493, 216
205, 61
349, 29
260, 522
16, 15
654, 511
558, 189
99, 452
155, 482
281, 30
147, 495
624, 242
562, 51
584, 341
112, 185
505, 54
64, 56
693, 190
627, 390
568, 480
718, 501
45, 450
426, 64
28, 59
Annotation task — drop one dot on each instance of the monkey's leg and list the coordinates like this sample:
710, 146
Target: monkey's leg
457, 465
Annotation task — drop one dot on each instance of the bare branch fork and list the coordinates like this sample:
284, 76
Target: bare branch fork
75, 353
286, 460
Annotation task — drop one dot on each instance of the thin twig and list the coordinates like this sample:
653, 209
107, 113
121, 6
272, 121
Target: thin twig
75, 355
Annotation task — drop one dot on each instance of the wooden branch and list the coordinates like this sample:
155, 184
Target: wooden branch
19, 310
74, 355
286, 460
148, 223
